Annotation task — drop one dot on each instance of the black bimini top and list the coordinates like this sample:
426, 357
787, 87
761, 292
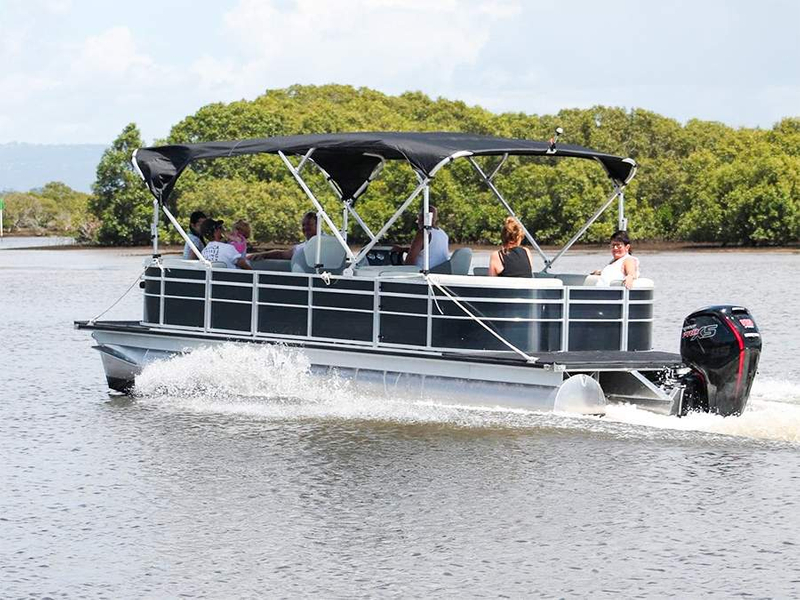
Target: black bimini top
350, 158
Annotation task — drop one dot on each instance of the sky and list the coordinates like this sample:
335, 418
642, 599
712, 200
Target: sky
77, 71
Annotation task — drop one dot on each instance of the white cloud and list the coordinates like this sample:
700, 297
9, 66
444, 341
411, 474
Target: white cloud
388, 44
18, 88
112, 52
75, 74
58, 7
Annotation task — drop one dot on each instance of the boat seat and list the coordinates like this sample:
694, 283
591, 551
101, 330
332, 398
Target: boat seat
398, 270
591, 280
332, 256
170, 262
458, 264
640, 283
272, 264
178, 262
481, 271
573, 278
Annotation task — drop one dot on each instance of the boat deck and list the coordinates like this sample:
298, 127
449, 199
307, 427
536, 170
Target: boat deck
574, 360
587, 360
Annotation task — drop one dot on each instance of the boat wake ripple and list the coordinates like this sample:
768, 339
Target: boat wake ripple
276, 383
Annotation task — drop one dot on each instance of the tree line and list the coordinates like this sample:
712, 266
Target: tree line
697, 182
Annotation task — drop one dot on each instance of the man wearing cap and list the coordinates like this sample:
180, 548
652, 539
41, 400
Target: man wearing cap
438, 243
218, 251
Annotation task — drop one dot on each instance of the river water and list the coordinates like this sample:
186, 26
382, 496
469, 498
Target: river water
24, 241
268, 483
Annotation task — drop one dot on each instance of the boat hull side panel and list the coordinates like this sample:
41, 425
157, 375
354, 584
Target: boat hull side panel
393, 376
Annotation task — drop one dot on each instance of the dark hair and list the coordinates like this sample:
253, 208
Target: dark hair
621, 236
209, 227
193, 219
311, 214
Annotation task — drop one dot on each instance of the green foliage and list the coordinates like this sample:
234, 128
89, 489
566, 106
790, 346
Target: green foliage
702, 181
55, 208
121, 202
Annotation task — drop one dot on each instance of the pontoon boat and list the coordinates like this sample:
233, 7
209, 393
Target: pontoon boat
556, 341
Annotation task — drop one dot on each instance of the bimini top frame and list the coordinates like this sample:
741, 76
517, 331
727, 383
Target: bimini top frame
350, 161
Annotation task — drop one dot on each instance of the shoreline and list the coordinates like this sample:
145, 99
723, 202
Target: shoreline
643, 247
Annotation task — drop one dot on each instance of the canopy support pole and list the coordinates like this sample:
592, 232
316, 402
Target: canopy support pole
154, 227
622, 222
185, 237
359, 220
349, 203
499, 166
422, 184
488, 181
320, 211
617, 191
427, 225
303, 160
318, 254
372, 176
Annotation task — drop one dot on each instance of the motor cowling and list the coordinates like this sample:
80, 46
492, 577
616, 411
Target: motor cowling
722, 346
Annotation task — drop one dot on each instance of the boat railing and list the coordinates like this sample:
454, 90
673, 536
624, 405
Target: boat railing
399, 311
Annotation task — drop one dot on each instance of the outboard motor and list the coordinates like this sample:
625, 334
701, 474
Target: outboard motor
722, 345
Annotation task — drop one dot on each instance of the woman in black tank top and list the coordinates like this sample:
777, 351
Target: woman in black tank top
512, 260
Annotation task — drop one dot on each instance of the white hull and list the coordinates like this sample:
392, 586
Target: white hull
392, 375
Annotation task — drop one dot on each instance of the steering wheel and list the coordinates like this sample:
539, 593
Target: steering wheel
396, 257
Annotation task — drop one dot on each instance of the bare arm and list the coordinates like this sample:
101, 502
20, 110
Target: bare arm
630, 270
495, 266
242, 263
279, 254
415, 249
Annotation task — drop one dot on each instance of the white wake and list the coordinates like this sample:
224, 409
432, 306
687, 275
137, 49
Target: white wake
275, 382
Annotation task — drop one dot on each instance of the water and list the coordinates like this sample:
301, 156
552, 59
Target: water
267, 482
17, 242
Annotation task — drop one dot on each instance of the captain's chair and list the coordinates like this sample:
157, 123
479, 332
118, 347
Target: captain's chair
332, 256
458, 264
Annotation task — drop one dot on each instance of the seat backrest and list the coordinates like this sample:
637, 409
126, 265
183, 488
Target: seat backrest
460, 261
639, 283
574, 278
592, 280
271, 264
332, 256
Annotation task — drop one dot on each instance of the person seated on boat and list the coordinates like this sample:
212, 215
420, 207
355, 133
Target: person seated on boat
309, 225
438, 243
238, 236
624, 267
512, 260
219, 251
196, 220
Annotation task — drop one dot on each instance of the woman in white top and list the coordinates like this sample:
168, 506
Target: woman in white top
438, 243
624, 267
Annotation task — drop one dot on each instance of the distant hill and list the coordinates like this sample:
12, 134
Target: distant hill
27, 166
